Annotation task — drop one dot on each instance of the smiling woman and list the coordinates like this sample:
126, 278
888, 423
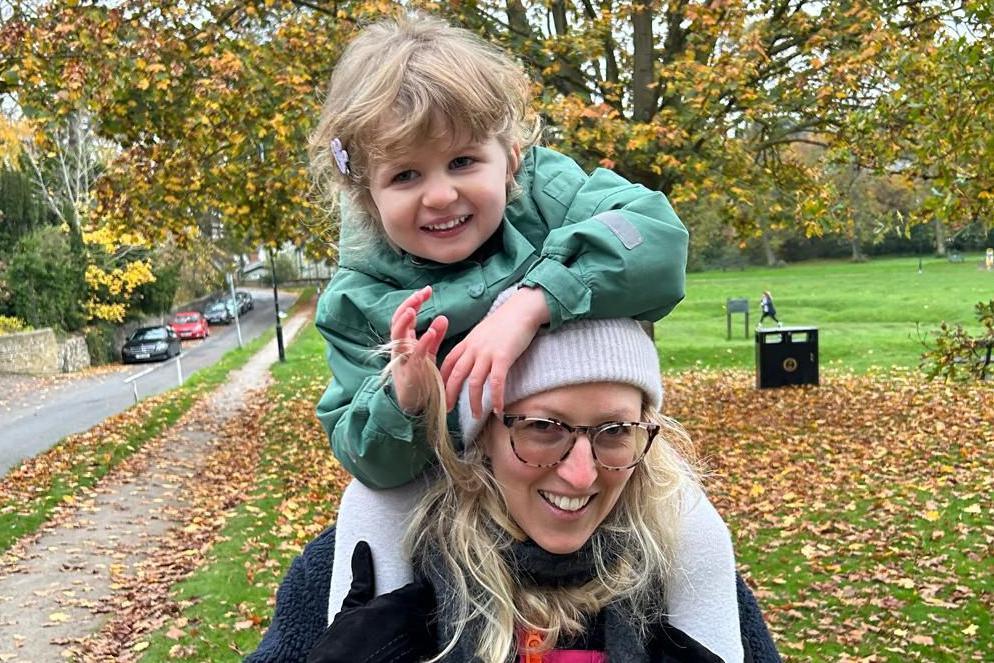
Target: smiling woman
561, 530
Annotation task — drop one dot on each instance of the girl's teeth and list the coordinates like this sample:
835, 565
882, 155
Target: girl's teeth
448, 225
566, 503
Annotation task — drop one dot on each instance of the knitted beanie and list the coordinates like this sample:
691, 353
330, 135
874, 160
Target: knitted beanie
577, 352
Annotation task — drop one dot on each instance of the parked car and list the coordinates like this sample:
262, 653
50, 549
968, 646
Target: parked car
151, 344
219, 312
190, 324
245, 301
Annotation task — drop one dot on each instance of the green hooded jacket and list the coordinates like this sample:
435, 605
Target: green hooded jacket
598, 245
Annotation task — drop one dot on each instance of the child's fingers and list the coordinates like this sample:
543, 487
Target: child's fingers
477, 380
451, 360
457, 375
439, 326
413, 301
402, 328
498, 375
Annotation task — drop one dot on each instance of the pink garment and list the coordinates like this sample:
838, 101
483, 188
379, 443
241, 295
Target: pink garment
570, 656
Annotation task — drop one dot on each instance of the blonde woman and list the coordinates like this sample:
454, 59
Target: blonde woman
552, 536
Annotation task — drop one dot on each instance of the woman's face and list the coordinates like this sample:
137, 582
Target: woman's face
560, 507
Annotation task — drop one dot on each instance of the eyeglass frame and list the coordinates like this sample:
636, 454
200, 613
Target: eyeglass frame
590, 431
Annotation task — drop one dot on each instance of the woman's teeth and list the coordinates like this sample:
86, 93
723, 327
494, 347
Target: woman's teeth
566, 503
449, 225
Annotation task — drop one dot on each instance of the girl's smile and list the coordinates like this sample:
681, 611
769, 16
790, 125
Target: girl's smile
442, 199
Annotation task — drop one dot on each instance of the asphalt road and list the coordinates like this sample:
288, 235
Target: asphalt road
34, 423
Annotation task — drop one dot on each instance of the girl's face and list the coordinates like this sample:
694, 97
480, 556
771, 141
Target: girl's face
561, 507
442, 199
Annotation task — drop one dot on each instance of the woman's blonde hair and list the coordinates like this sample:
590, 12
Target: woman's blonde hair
406, 79
463, 521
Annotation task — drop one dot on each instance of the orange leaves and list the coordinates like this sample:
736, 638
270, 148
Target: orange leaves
866, 499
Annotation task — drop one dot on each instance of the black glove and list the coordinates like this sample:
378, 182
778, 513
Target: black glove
373, 629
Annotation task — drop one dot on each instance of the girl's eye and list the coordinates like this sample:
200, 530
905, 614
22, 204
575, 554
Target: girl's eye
461, 162
403, 176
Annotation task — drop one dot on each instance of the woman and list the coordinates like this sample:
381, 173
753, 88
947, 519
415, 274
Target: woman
550, 535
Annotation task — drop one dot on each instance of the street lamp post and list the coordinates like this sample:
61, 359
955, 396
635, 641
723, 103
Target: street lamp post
276, 303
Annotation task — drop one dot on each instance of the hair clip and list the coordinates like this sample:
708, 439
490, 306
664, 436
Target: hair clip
341, 156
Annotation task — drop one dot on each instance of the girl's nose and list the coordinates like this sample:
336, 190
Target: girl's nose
579, 469
439, 193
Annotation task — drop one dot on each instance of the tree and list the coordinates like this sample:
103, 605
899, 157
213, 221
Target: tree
210, 101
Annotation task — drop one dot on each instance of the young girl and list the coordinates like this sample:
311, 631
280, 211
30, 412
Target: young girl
428, 136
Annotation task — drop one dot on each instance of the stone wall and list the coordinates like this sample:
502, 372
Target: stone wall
33, 352
73, 355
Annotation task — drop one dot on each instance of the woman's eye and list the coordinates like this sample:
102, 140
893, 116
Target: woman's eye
540, 425
461, 162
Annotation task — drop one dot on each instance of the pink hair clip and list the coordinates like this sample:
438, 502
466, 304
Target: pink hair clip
341, 156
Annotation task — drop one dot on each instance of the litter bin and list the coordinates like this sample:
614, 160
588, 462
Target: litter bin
786, 355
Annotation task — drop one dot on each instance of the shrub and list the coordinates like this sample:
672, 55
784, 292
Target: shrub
45, 281
100, 343
9, 325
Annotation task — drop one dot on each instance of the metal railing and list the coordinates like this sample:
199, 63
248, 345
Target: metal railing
133, 379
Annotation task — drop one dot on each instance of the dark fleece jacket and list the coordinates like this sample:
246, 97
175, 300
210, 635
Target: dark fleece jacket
301, 613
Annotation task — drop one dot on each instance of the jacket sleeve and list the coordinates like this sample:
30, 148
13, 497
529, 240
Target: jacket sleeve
614, 249
757, 642
371, 437
301, 605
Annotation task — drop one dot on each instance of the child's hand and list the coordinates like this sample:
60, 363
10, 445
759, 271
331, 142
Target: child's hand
492, 347
408, 385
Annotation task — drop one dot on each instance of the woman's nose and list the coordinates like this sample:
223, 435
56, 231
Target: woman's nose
439, 192
579, 469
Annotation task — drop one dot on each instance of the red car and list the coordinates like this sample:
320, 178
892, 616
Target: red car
190, 324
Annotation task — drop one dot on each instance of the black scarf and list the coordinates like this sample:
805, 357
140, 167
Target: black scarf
535, 567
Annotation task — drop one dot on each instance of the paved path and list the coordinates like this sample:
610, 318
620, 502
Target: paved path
37, 413
57, 587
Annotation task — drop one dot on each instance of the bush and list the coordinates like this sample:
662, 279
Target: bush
959, 356
45, 281
9, 325
100, 343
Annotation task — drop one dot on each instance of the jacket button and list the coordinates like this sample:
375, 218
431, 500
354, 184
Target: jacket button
476, 290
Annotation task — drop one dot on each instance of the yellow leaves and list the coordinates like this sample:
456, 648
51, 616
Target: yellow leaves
13, 134
931, 515
970, 630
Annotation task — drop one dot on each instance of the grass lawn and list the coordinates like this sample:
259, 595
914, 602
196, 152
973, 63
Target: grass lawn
860, 509
868, 315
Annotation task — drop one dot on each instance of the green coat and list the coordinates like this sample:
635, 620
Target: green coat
598, 245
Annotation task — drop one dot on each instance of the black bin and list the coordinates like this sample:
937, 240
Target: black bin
786, 355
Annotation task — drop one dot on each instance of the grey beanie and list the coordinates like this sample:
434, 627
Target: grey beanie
579, 351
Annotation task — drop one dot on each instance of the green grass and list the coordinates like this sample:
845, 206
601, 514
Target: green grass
19, 518
868, 315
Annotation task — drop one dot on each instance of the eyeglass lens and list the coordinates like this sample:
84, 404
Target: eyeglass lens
545, 442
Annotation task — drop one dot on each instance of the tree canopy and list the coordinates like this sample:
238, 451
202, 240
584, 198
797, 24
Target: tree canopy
208, 103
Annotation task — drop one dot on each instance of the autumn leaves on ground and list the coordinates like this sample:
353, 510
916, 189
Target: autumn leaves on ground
861, 511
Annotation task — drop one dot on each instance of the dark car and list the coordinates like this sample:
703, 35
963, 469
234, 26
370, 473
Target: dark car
219, 312
150, 344
245, 301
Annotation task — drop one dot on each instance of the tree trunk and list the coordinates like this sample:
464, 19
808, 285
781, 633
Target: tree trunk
644, 96
857, 249
764, 240
940, 238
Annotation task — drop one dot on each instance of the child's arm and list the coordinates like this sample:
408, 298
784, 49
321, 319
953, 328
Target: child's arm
701, 597
608, 249
372, 437
613, 248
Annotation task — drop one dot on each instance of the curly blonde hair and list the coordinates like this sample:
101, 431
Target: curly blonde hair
463, 520
407, 79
